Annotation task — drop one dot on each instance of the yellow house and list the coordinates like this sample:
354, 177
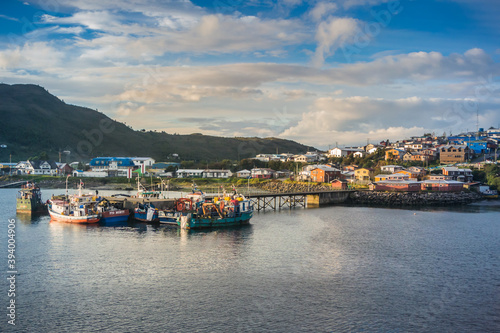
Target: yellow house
363, 174
410, 174
394, 154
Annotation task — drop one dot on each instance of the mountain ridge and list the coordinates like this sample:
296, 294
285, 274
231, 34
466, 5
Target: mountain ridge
35, 121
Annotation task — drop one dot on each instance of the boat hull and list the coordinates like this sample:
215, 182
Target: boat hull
187, 222
115, 216
30, 206
143, 217
85, 219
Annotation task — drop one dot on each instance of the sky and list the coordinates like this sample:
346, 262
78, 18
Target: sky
322, 73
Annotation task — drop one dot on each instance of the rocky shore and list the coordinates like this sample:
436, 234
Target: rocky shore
399, 199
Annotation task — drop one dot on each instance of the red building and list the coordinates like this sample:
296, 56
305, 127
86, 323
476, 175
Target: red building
396, 186
324, 174
442, 185
338, 184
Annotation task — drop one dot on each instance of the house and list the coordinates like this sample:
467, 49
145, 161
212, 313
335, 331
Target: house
307, 158
37, 168
419, 170
347, 176
358, 154
463, 175
64, 169
343, 152
265, 173
364, 174
394, 154
451, 154
410, 174
146, 161
439, 177
243, 173
338, 184
208, 173
282, 174
442, 185
351, 167
415, 157
373, 150
391, 168
189, 173
396, 186
81, 173
324, 174
116, 166
6, 168
478, 146
394, 176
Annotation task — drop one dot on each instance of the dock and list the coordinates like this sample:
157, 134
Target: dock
261, 201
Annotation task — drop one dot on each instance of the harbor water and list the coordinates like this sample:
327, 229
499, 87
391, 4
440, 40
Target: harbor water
332, 269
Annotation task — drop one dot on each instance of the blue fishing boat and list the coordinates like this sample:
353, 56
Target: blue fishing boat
110, 213
168, 216
146, 212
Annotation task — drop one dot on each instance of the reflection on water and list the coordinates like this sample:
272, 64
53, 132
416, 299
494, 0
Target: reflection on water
333, 269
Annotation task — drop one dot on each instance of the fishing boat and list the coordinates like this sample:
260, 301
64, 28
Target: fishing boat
490, 194
146, 212
80, 208
66, 211
110, 213
29, 200
169, 216
225, 211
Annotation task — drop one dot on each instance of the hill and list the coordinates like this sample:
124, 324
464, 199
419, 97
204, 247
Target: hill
34, 121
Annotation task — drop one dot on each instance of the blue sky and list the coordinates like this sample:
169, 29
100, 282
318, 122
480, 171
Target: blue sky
318, 72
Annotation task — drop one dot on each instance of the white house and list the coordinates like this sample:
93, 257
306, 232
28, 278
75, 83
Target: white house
217, 173
306, 158
37, 168
146, 161
358, 154
343, 152
187, 173
391, 168
243, 173
262, 173
80, 173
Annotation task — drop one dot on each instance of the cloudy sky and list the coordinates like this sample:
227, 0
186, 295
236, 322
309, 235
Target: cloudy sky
318, 72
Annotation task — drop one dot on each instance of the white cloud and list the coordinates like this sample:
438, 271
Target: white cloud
34, 56
353, 119
322, 9
331, 35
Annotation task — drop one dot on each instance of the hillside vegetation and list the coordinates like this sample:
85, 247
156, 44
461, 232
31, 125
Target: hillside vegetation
34, 121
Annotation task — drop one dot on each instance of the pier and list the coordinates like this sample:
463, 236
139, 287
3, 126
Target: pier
260, 200
278, 201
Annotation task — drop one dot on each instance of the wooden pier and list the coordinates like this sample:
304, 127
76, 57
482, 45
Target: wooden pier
278, 201
261, 201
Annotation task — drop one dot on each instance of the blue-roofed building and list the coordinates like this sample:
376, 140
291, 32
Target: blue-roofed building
479, 146
464, 139
118, 166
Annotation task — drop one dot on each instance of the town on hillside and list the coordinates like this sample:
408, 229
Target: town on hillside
427, 162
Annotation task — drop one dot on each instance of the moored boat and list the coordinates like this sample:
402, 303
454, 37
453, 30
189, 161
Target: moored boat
111, 214
146, 212
79, 208
168, 216
225, 211
29, 200
490, 194
66, 211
